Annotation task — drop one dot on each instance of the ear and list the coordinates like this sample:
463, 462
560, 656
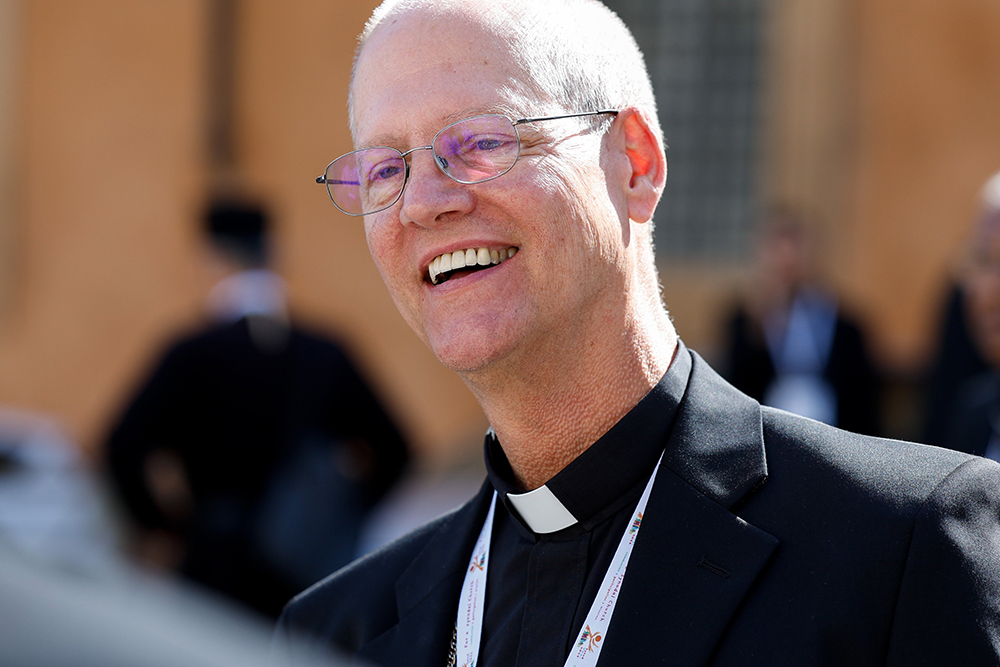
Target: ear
647, 161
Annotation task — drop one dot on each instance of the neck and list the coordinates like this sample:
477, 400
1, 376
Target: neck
548, 409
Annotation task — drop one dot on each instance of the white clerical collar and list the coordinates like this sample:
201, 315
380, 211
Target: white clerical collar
250, 292
541, 510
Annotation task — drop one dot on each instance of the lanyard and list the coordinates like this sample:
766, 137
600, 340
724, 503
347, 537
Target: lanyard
590, 639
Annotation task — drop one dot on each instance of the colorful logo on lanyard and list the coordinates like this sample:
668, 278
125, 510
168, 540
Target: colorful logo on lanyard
589, 637
477, 564
635, 524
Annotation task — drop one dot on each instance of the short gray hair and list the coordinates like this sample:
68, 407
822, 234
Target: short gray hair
577, 55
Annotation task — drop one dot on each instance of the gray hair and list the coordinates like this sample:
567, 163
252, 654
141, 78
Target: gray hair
577, 55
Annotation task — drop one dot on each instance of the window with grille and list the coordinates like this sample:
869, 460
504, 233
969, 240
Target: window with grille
703, 58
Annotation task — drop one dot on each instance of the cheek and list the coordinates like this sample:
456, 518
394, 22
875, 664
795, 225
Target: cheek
383, 245
598, 230
389, 254
585, 250
389, 257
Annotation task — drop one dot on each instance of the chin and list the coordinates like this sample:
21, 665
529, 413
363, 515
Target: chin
473, 344
469, 354
466, 361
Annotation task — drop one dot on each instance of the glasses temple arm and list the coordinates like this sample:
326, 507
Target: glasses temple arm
613, 112
330, 181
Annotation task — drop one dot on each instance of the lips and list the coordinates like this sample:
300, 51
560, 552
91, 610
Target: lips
445, 265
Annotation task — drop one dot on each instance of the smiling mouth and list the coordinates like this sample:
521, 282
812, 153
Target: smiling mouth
445, 266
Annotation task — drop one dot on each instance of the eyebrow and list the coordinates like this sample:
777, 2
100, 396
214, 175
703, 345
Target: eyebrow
391, 139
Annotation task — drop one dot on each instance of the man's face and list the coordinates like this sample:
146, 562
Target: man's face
554, 208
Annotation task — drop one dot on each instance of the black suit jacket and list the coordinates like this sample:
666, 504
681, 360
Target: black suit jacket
769, 539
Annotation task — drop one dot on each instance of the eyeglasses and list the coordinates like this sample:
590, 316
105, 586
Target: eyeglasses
473, 150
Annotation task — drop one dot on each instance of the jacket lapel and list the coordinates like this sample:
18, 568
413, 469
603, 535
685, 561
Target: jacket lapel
694, 559
427, 593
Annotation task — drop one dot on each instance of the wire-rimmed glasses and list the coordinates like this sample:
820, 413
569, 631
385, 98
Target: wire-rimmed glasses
472, 150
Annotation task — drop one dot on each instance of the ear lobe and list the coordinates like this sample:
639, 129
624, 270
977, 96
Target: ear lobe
648, 165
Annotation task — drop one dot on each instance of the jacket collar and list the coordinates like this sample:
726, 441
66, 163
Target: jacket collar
717, 441
695, 559
699, 562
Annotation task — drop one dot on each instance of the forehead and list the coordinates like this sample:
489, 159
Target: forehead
429, 68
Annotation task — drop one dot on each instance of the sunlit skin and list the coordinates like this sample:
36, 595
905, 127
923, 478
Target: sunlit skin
560, 341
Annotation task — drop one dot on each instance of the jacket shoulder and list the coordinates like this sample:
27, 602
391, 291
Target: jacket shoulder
897, 469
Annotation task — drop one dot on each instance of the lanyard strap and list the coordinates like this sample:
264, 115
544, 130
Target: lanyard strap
590, 639
470, 609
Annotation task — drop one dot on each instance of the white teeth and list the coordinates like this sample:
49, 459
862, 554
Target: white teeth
435, 269
451, 261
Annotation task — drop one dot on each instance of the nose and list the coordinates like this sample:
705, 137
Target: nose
430, 196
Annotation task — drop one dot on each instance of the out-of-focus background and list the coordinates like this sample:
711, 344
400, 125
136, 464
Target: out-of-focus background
875, 121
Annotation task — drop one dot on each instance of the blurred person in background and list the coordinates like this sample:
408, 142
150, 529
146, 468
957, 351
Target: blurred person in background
973, 421
956, 359
250, 456
960, 353
790, 345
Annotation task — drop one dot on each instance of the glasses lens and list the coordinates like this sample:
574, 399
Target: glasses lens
366, 181
477, 149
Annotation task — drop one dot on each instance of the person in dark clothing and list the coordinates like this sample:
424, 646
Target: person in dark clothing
791, 346
637, 508
255, 446
974, 418
956, 360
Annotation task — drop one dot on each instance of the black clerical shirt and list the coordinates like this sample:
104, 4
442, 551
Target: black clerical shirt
540, 587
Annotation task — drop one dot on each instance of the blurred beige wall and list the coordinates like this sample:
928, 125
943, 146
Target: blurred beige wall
108, 168
928, 136
10, 130
882, 120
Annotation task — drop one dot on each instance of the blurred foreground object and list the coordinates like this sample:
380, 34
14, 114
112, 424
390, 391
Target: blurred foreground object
50, 618
51, 508
974, 418
252, 453
791, 346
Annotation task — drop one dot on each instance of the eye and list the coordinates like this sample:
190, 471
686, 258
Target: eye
487, 144
383, 170
484, 143
386, 172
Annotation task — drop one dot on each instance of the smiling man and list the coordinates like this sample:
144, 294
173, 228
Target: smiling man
638, 510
